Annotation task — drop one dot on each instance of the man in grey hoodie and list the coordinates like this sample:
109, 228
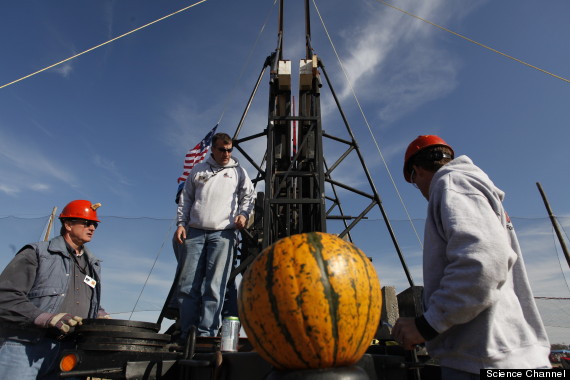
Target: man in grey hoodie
217, 199
479, 308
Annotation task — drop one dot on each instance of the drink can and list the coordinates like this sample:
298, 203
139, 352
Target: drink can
230, 334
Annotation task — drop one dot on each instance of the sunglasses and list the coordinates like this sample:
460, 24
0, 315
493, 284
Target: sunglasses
87, 223
224, 150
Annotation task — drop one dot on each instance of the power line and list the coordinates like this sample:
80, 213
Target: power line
552, 298
368, 125
475, 42
102, 44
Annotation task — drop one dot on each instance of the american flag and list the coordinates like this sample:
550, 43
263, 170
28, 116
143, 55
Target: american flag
195, 156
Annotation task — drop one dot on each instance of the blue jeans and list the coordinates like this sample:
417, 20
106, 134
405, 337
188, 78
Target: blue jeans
31, 361
205, 270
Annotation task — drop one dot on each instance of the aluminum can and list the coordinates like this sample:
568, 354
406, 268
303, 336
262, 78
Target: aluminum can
230, 334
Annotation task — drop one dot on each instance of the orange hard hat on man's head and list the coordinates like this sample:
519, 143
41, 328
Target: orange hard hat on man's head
81, 209
419, 144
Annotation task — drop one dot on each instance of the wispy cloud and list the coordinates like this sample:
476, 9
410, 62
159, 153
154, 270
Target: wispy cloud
109, 19
109, 16
25, 166
397, 62
31, 109
111, 169
39, 187
63, 69
8, 189
112, 177
539, 246
147, 276
394, 63
187, 124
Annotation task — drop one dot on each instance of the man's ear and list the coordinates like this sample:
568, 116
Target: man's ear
416, 169
67, 226
419, 170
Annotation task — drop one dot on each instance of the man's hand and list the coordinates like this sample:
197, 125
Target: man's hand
102, 314
406, 333
240, 221
180, 234
64, 322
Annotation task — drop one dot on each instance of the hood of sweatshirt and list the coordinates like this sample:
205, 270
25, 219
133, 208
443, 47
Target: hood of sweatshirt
232, 164
471, 173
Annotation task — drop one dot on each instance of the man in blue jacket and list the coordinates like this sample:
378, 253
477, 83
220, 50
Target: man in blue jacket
479, 308
46, 290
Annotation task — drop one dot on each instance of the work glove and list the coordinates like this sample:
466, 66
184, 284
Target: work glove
64, 322
102, 314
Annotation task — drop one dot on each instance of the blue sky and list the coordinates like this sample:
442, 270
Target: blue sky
113, 125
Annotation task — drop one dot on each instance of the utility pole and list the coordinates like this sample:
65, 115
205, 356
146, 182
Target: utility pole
555, 224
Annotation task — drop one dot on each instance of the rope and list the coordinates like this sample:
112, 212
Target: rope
368, 125
552, 298
555, 243
562, 227
475, 42
102, 44
152, 268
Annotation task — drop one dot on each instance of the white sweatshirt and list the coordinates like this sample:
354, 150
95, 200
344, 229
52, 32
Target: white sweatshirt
214, 195
476, 291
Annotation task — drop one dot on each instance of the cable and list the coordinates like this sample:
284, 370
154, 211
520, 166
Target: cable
552, 298
558, 257
152, 268
102, 44
368, 125
475, 42
562, 227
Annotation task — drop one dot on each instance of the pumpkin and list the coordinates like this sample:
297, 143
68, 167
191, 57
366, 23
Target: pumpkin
310, 300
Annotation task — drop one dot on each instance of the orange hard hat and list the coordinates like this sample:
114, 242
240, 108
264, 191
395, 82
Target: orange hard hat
81, 209
419, 144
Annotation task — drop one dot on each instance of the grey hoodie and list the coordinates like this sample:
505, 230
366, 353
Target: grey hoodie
214, 195
476, 291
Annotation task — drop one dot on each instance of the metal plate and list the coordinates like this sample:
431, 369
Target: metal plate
88, 334
121, 341
120, 347
103, 323
102, 329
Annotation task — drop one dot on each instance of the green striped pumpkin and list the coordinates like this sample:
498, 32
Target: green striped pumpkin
310, 300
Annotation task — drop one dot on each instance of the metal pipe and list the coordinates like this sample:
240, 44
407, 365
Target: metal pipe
247, 107
309, 52
336, 203
280, 33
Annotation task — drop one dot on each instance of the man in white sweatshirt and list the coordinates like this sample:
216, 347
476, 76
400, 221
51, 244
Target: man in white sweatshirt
217, 199
479, 308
